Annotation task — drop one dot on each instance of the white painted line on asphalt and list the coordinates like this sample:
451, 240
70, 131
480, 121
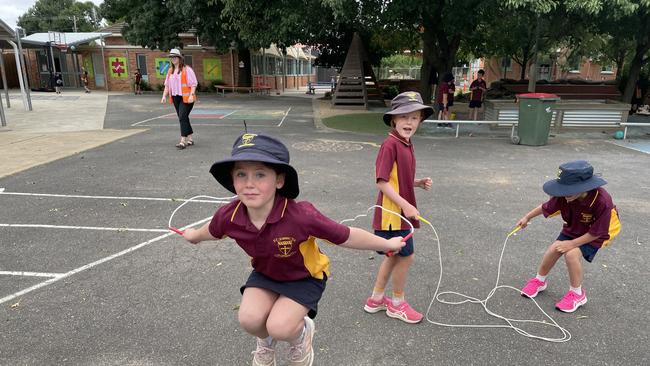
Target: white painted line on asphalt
151, 119
285, 116
234, 124
95, 263
226, 115
30, 274
127, 198
42, 226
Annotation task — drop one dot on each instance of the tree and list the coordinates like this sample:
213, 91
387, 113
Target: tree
61, 16
626, 24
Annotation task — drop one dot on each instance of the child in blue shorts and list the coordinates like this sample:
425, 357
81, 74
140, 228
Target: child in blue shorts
590, 223
280, 297
395, 178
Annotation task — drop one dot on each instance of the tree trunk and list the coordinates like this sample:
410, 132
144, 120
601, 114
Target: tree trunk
633, 77
532, 75
523, 64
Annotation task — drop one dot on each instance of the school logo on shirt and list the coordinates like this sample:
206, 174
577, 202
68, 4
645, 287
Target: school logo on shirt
284, 244
586, 218
247, 140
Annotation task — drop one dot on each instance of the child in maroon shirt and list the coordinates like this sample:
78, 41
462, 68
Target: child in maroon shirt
281, 295
590, 223
395, 179
478, 88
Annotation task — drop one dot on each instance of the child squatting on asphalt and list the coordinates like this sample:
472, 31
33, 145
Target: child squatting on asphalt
280, 297
590, 223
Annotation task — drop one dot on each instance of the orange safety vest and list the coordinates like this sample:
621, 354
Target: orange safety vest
186, 90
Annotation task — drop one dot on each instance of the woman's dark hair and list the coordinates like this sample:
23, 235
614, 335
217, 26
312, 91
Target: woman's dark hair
181, 65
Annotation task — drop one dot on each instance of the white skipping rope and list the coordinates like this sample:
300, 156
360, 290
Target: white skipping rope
510, 321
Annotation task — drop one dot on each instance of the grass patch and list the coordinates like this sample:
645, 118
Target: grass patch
358, 122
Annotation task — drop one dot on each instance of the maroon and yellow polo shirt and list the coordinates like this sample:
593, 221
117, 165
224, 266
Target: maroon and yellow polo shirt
395, 164
596, 214
285, 248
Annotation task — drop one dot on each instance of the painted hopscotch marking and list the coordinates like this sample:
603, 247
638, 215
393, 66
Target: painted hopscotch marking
151, 119
126, 198
99, 228
29, 274
95, 263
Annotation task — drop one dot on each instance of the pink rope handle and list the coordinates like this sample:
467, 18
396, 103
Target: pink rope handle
404, 239
177, 231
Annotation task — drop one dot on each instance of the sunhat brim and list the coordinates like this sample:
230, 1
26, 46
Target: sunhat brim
407, 108
555, 189
175, 55
222, 172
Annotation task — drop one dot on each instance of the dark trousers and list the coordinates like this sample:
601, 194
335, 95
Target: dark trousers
183, 111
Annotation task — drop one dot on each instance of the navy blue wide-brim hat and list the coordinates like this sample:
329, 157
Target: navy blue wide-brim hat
262, 148
574, 177
407, 102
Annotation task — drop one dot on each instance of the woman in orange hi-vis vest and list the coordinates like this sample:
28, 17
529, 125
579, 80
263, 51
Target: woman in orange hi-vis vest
180, 85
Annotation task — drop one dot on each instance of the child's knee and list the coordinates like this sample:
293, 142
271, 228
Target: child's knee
573, 255
282, 329
251, 320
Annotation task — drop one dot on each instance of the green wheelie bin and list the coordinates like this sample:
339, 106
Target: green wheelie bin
535, 114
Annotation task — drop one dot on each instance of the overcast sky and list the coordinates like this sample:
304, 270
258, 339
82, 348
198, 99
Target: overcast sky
10, 10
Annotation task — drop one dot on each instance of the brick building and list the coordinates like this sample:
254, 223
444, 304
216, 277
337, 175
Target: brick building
111, 62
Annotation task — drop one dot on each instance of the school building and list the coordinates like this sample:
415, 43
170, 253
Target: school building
111, 62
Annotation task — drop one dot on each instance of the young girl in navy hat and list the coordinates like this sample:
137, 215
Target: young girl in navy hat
590, 223
280, 297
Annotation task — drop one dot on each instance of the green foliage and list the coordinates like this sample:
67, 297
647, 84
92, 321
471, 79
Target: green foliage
401, 61
144, 86
60, 16
390, 91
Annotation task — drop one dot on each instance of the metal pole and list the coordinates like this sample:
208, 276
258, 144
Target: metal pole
4, 78
23, 69
20, 76
101, 39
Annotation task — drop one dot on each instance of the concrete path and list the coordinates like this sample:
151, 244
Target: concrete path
58, 126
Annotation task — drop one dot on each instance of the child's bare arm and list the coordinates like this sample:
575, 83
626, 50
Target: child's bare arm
523, 222
196, 236
409, 210
361, 239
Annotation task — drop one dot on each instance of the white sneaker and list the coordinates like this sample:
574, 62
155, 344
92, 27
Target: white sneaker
264, 355
302, 354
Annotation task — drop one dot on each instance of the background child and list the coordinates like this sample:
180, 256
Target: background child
478, 88
445, 98
395, 172
590, 222
58, 83
280, 297
138, 81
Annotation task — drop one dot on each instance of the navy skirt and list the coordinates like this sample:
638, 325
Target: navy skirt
306, 292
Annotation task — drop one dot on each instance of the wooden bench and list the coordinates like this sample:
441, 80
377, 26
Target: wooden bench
313, 86
626, 124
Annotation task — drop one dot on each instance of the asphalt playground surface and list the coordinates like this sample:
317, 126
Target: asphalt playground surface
88, 290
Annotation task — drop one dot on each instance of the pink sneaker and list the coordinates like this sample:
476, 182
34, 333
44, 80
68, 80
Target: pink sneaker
373, 306
571, 302
403, 312
533, 287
